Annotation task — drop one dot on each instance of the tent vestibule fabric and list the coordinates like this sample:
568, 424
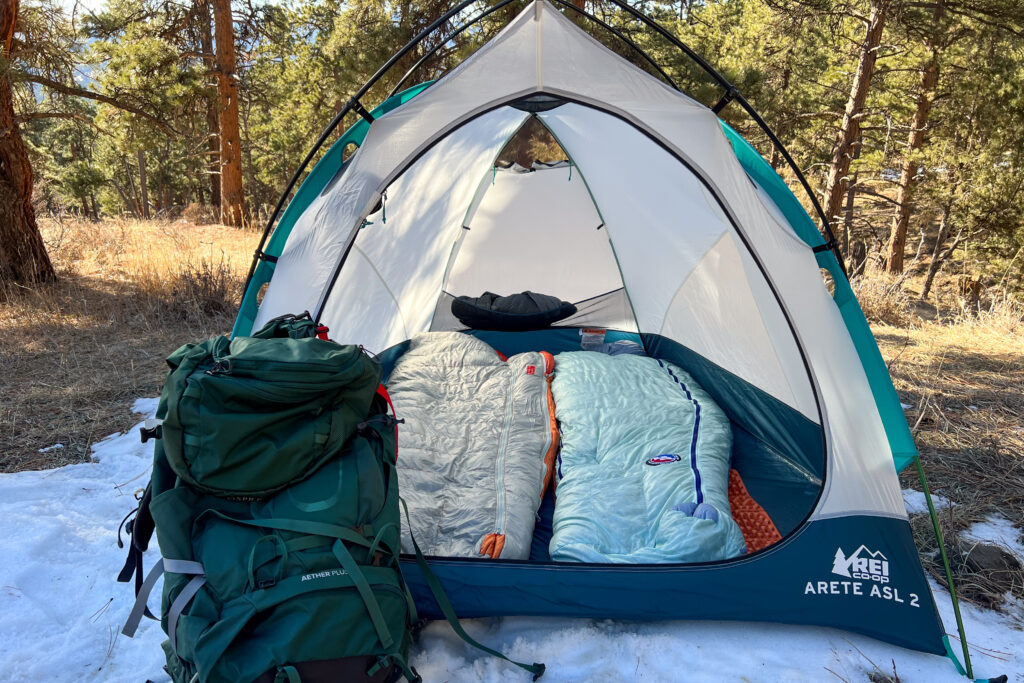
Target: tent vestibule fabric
667, 229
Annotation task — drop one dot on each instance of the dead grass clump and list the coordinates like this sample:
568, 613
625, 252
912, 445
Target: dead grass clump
983, 574
79, 351
883, 299
206, 289
198, 214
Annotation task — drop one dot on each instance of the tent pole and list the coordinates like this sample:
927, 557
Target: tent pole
945, 565
729, 88
564, 3
454, 34
411, 45
621, 36
465, 3
625, 6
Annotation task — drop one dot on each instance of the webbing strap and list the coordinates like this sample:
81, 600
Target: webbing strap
183, 567
178, 606
174, 567
537, 668
139, 609
306, 542
377, 541
287, 674
303, 526
395, 657
348, 563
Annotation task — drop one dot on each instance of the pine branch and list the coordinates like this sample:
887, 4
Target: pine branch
32, 116
99, 97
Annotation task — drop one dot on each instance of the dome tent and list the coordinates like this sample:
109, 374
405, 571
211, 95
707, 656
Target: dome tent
666, 228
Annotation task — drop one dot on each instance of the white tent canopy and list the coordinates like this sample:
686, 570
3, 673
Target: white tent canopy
658, 209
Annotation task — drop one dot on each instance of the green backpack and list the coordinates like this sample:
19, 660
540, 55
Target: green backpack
274, 498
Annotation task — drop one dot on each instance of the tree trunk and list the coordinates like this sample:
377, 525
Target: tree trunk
143, 185
232, 202
849, 130
851, 195
212, 127
938, 256
23, 256
915, 140
782, 129
136, 204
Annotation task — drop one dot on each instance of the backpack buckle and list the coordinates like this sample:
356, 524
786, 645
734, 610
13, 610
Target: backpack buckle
221, 366
264, 584
151, 429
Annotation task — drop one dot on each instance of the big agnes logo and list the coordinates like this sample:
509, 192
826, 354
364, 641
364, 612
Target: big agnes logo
862, 564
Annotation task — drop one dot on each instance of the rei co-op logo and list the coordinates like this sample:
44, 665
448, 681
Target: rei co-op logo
865, 573
862, 564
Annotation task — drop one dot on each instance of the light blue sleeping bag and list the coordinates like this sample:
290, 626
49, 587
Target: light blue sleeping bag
643, 473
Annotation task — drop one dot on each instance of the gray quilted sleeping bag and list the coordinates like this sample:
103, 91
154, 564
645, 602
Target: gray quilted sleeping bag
477, 446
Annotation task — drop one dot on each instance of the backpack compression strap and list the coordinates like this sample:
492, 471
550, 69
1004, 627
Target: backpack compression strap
140, 531
537, 668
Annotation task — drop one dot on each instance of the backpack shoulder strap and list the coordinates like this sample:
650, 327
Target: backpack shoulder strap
537, 669
140, 531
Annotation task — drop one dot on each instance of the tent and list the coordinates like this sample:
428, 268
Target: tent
665, 227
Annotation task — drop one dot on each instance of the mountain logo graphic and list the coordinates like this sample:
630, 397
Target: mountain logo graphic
862, 564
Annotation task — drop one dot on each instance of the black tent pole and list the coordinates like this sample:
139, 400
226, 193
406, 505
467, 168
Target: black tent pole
731, 93
352, 104
565, 3
454, 34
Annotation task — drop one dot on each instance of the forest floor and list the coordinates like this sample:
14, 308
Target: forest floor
79, 352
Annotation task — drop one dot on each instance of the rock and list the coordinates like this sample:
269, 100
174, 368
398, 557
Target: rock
1002, 572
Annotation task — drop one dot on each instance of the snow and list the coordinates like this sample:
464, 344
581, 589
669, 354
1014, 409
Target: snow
1000, 531
61, 610
916, 503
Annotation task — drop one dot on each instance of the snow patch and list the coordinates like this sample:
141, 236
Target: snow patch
145, 406
54, 447
917, 504
998, 530
61, 610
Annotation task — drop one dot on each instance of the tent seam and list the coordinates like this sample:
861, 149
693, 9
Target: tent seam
398, 306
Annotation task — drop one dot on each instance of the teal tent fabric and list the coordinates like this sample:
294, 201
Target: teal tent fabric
886, 400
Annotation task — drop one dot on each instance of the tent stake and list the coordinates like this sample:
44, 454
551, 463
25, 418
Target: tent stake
945, 565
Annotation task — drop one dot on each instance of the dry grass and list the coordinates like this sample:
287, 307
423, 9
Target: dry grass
883, 299
79, 351
963, 375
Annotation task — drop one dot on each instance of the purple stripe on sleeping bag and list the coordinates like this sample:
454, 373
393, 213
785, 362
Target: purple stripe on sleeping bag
696, 432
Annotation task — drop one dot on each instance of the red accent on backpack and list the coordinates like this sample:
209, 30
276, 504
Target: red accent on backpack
383, 393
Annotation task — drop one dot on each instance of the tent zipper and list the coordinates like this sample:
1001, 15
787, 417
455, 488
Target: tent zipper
499, 519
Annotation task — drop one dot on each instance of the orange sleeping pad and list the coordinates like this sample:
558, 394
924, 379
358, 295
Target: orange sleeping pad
759, 531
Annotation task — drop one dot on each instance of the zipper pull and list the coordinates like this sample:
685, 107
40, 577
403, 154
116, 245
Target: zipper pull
222, 366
